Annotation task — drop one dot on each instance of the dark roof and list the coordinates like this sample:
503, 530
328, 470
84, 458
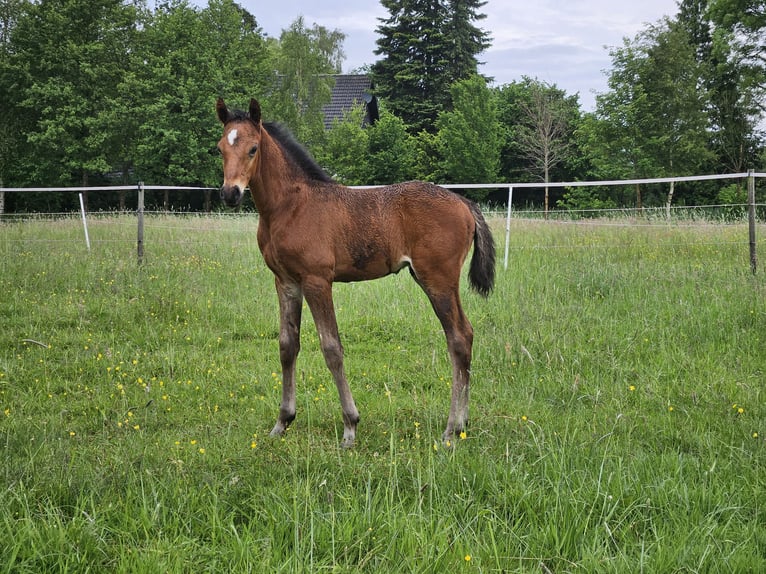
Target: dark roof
350, 90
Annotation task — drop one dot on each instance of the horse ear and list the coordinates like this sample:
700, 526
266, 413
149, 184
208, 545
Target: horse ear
223, 112
255, 111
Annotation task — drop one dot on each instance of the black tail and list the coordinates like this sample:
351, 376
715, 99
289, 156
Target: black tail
481, 274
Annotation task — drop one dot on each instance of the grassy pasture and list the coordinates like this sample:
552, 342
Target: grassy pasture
617, 409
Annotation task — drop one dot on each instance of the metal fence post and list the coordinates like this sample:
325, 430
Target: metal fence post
84, 222
140, 213
751, 219
508, 227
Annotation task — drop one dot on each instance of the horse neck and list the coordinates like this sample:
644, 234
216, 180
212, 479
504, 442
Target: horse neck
272, 178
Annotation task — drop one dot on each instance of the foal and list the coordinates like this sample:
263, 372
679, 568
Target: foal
313, 231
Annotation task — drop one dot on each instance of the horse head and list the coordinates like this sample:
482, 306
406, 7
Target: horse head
239, 149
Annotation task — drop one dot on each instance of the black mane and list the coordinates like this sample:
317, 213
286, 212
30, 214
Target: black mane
296, 152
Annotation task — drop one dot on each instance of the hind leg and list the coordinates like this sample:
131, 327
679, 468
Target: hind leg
459, 333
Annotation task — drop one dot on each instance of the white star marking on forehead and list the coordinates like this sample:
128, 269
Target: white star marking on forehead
232, 137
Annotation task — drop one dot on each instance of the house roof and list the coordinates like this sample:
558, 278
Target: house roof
350, 90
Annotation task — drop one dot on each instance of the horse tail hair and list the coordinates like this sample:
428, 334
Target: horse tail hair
481, 274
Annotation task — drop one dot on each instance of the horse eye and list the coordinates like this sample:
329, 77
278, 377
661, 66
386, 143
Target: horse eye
253, 150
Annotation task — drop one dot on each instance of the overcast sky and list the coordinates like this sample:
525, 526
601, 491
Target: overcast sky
562, 42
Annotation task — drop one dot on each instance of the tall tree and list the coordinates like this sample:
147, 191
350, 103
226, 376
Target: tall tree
653, 120
468, 137
426, 46
344, 151
185, 58
304, 61
11, 131
377, 154
392, 151
744, 22
730, 74
544, 133
71, 56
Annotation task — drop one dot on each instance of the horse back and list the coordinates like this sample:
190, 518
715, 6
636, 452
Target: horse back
398, 225
356, 235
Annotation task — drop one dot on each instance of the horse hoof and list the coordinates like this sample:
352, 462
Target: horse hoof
348, 440
448, 439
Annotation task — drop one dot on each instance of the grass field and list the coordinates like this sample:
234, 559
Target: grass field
617, 409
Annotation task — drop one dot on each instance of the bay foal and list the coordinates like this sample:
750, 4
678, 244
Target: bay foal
313, 232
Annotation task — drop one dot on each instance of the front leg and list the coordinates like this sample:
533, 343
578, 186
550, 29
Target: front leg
319, 297
290, 306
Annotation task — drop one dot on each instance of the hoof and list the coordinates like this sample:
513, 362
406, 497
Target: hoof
349, 436
278, 430
450, 437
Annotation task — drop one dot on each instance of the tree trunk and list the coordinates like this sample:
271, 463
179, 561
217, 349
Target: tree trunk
547, 175
670, 199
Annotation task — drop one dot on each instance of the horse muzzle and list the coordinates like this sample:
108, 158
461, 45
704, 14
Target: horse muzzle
232, 195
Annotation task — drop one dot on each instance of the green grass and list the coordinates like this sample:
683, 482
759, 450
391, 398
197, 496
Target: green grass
610, 367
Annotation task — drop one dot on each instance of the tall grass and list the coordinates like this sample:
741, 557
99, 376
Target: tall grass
617, 412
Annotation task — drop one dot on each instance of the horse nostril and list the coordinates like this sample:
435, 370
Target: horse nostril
231, 195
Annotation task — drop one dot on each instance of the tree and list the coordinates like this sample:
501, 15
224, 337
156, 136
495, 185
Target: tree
515, 102
743, 23
10, 128
392, 151
377, 154
653, 121
305, 60
544, 134
730, 76
344, 152
184, 59
427, 45
71, 55
468, 136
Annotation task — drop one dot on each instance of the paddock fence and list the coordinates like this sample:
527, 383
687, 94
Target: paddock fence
662, 215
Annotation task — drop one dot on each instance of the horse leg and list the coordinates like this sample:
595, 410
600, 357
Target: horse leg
459, 333
318, 294
290, 303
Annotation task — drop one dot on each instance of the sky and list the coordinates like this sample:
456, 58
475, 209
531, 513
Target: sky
561, 42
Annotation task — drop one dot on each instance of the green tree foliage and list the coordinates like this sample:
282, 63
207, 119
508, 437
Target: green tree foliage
538, 134
68, 58
731, 75
377, 154
392, 150
184, 59
111, 89
344, 153
304, 60
107, 90
11, 119
743, 25
426, 46
653, 121
468, 137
